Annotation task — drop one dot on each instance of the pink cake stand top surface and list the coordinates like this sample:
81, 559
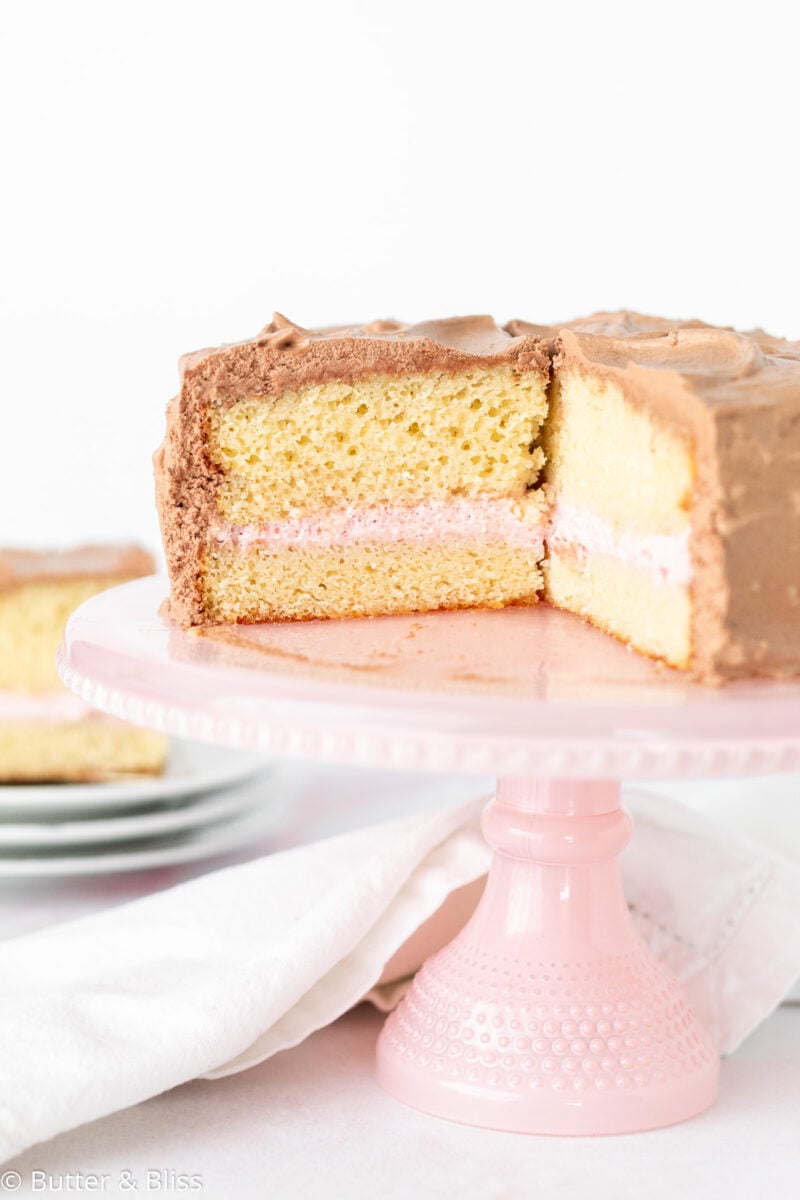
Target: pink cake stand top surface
519, 692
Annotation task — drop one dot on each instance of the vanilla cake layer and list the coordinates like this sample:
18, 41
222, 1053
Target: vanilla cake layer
631, 602
386, 439
91, 749
32, 620
608, 458
365, 579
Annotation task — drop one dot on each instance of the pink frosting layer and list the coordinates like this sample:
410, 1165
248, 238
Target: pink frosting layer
464, 519
581, 532
56, 707
473, 519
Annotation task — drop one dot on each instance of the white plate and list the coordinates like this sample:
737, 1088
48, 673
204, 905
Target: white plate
217, 839
192, 768
191, 814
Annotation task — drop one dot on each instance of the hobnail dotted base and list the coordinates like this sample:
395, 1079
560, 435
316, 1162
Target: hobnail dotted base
549, 1013
589, 1047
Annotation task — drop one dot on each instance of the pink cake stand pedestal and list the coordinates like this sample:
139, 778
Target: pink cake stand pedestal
548, 1013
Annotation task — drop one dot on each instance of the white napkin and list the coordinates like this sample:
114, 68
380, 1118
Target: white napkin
219, 973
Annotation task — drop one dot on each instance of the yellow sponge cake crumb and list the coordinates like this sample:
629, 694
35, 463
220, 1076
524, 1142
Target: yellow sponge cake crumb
46, 733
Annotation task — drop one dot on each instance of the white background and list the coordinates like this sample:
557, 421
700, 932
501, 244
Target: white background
173, 171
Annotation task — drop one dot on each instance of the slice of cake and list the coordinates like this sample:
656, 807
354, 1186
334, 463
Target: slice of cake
47, 733
349, 472
673, 478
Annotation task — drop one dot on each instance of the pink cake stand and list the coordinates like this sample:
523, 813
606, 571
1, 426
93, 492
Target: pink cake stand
548, 1013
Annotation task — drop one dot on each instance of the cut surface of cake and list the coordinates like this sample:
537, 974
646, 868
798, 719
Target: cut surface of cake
640, 472
354, 472
46, 732
673, 479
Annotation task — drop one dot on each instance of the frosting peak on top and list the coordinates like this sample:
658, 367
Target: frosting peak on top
284, 334
286, 355
627, 323
717, 363
689, 350
472, 335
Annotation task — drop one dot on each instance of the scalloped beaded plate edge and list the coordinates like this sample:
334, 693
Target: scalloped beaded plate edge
517, 692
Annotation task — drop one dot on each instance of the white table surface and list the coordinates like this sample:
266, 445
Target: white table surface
312, 1122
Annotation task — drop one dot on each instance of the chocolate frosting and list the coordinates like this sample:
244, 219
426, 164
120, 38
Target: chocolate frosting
734, 398
19, 567
285, 357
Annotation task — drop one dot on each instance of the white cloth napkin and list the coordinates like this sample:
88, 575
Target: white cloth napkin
219, 973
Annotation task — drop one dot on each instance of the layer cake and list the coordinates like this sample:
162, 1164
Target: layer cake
640, 472
355, 472
47, 733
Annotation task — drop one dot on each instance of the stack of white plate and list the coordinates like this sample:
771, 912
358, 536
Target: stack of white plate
209, 801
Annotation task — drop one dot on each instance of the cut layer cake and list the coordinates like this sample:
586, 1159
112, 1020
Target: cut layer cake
642, 473
355, 472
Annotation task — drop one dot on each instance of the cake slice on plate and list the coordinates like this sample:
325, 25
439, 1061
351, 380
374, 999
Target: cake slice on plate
350, 472
673, 478
47, 733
